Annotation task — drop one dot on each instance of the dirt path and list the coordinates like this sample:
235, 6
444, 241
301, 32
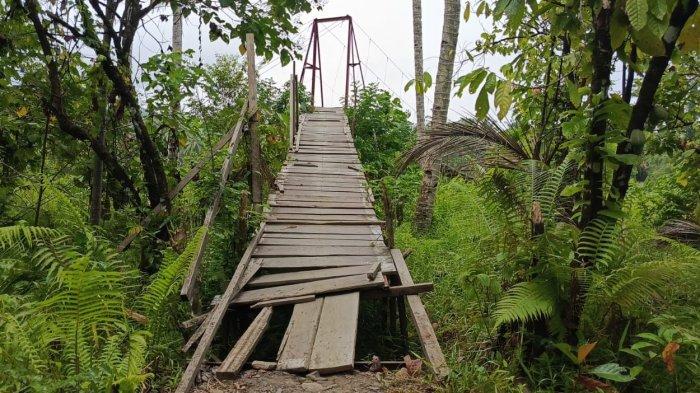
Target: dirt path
260, 381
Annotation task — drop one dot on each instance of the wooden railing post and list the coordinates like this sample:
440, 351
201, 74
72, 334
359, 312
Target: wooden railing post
292, 105
255, 155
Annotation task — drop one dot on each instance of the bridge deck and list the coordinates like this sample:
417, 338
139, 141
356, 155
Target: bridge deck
319, 247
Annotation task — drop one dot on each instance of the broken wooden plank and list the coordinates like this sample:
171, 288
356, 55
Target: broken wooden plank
334, 346
245, 345
295, 351
339, 284
269, 280
426, 333
192, 322
284, 301
212, 323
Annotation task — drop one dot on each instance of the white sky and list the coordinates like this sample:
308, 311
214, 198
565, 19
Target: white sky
384, 33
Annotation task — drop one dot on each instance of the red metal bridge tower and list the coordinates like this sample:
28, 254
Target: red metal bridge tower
352, 61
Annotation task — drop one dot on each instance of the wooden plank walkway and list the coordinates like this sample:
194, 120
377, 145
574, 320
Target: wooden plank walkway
320, 245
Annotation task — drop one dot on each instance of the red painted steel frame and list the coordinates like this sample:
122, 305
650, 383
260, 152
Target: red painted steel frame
352, 61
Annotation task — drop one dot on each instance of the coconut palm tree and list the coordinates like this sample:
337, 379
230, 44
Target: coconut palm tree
443, 86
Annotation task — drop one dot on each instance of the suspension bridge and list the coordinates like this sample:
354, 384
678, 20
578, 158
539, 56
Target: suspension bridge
319, 252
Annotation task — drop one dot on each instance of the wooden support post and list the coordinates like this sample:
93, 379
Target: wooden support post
292, 105
211, 325
255, 156
388, 217
189, 287
426, 333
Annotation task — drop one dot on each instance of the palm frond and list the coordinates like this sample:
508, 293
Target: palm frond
469, 146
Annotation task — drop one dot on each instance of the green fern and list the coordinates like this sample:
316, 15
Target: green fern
598, 242
525, 302
169, 278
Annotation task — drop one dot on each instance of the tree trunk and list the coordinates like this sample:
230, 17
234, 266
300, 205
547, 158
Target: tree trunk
602, 67
594, 170
418, 66
173, 140
443, 87
255, 154
645, 101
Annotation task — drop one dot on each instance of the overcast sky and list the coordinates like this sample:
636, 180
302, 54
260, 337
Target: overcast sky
384, 34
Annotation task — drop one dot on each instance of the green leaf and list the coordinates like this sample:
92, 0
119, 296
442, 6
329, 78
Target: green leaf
689, 40
627, 159
648, 42
467, 11
637, 13
658, 8
613, 372
502, 99
618, 28
566, 350
409, 84
574, 94
476, 81
500, 8
571, 189
427, 81
482, 103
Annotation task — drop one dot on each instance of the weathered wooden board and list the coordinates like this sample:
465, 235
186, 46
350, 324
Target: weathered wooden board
274, 202
323, 236
320, 262
245, 345
328, 229
322, 217
284, 301
269, 280
316, 210
334, 346
320, 242
326, 188
426, 333
331, 285
300, 251
295, 350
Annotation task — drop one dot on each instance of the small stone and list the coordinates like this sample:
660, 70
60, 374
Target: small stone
261, 365
402, 374
315, 376
312, 387
376, 365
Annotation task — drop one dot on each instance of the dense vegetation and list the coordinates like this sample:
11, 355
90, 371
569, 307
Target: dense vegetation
565, 234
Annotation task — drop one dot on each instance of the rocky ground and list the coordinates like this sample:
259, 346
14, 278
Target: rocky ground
261, 381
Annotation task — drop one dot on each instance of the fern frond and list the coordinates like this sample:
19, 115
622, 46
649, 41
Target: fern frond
168, 279
598, 242
24, 236
548, 193
525, 302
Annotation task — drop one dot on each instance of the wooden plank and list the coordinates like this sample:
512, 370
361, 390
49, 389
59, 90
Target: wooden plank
320, 204
340, 284
274, 215
323, 236
295, 351
311, 228
321, 210
334, 346
373, 270
285, 301
212, 323
426, 334
325, 222
299, 251
269, 280
320, 242
245, 345
321, 262
326, 188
